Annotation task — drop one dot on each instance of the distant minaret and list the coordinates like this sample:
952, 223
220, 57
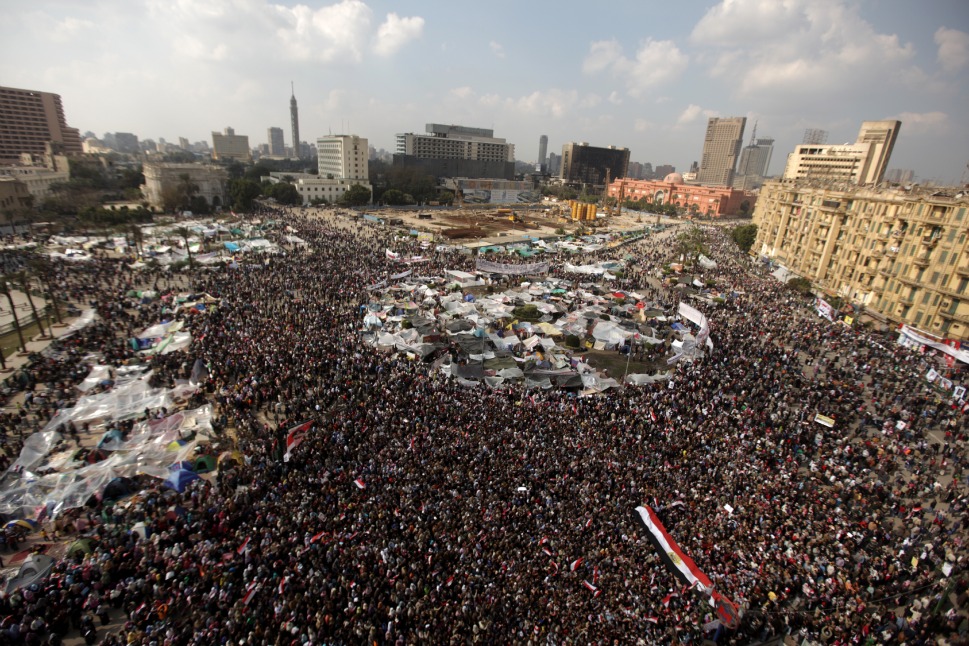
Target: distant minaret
294, 118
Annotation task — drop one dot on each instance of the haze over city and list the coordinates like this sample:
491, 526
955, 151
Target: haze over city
641, 75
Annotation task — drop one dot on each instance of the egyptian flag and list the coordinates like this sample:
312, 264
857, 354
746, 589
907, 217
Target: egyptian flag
282, 585
575, 564
317, 537
681, 565
295, 437
360, 483
594, 590
242, 548
250, 593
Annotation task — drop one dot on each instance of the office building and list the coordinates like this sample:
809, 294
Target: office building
294, 123
863, 162
662, 170
902, 253
38, 179
693, 199
542, 153
14, 195
753, 164
343, 157
585, 164
230, 146
30, 119
162, 180
721, 147
554, 164
276, 146
899, 175
318, 189
456, 151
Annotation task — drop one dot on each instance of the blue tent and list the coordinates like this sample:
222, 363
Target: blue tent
231, 246
184, 465
180, 479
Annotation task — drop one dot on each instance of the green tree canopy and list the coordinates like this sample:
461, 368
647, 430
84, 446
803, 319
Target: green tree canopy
744, 235
243, 192
356, 195
396, 197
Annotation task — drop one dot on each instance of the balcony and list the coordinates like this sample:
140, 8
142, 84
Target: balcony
877, 253
921, 261
885, 271
906, 299
958, 318
930, 241
907, 280
962, 270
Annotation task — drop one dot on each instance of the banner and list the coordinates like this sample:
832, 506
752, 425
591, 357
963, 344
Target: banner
504, 268
681, 565
824, 309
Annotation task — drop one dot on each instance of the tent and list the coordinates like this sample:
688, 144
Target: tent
228, 458
184, 465
118, 488
35, 568
82, 546
180, 479
205, 463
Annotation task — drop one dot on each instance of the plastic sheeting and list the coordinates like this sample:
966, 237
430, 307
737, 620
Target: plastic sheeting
147, 451
85, 319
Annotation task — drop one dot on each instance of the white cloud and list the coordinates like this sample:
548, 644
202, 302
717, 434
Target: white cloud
953, 48
692, 113
396, 32
462, 92
219, 30
69, 28
614, 98
497, 49
656, 62
923, 122
802, 49
642, 125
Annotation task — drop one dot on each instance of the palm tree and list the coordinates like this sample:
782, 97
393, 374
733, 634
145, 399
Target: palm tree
5, 289
185, 233
138, 237
42, 268
25, 285
187, 189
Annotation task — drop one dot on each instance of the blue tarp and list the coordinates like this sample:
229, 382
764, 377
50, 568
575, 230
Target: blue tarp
231, 246
180, 479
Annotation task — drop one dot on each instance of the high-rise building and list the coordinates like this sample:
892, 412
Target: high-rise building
900, 252
815, 136
754, 161
456, 151
542, 152
554, 164
721, 147
229, 145
899, 175
30, 119
863, 162
294, 122
585, 164
276, 145
344, 157
663, 170
184, 144
126, 142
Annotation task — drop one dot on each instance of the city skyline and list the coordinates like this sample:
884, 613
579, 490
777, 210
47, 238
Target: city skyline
643, 77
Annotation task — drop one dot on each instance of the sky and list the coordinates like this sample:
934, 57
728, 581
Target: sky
644, 75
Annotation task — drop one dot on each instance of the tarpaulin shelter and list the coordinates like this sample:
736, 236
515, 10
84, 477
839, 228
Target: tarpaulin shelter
178, 480
35, 568
80, 546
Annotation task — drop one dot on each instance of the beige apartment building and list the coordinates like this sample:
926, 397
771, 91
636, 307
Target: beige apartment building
900, 253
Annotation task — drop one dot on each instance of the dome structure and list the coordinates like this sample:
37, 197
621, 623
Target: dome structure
673, 178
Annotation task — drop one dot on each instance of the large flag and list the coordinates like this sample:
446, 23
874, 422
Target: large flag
295, 437
675, 559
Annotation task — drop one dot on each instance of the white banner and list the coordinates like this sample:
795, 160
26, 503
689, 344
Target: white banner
504, 268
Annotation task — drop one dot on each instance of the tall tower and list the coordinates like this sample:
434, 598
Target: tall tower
294, 119
721, 147
542, 152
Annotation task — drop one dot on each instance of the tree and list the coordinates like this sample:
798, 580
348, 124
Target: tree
745, 208
690, 244
185, 232
243, 192
25, 285
744, 235
356, 195
396, 197
43, 268
5, 289
285, 193
187, 189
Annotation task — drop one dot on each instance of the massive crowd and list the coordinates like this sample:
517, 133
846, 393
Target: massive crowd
419, 511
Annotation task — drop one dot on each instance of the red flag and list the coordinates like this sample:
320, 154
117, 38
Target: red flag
666, 599
360, 483
250, 593
652, 414
587, 523
575, 564
295, 437
282, 585
242, 548
317, 538
547, 551
652, 620
543, 541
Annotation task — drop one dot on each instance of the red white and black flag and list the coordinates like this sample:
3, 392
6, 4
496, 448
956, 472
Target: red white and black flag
295, 437
681, 565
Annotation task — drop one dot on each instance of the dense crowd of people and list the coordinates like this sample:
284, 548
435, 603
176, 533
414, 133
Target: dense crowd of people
420, 511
